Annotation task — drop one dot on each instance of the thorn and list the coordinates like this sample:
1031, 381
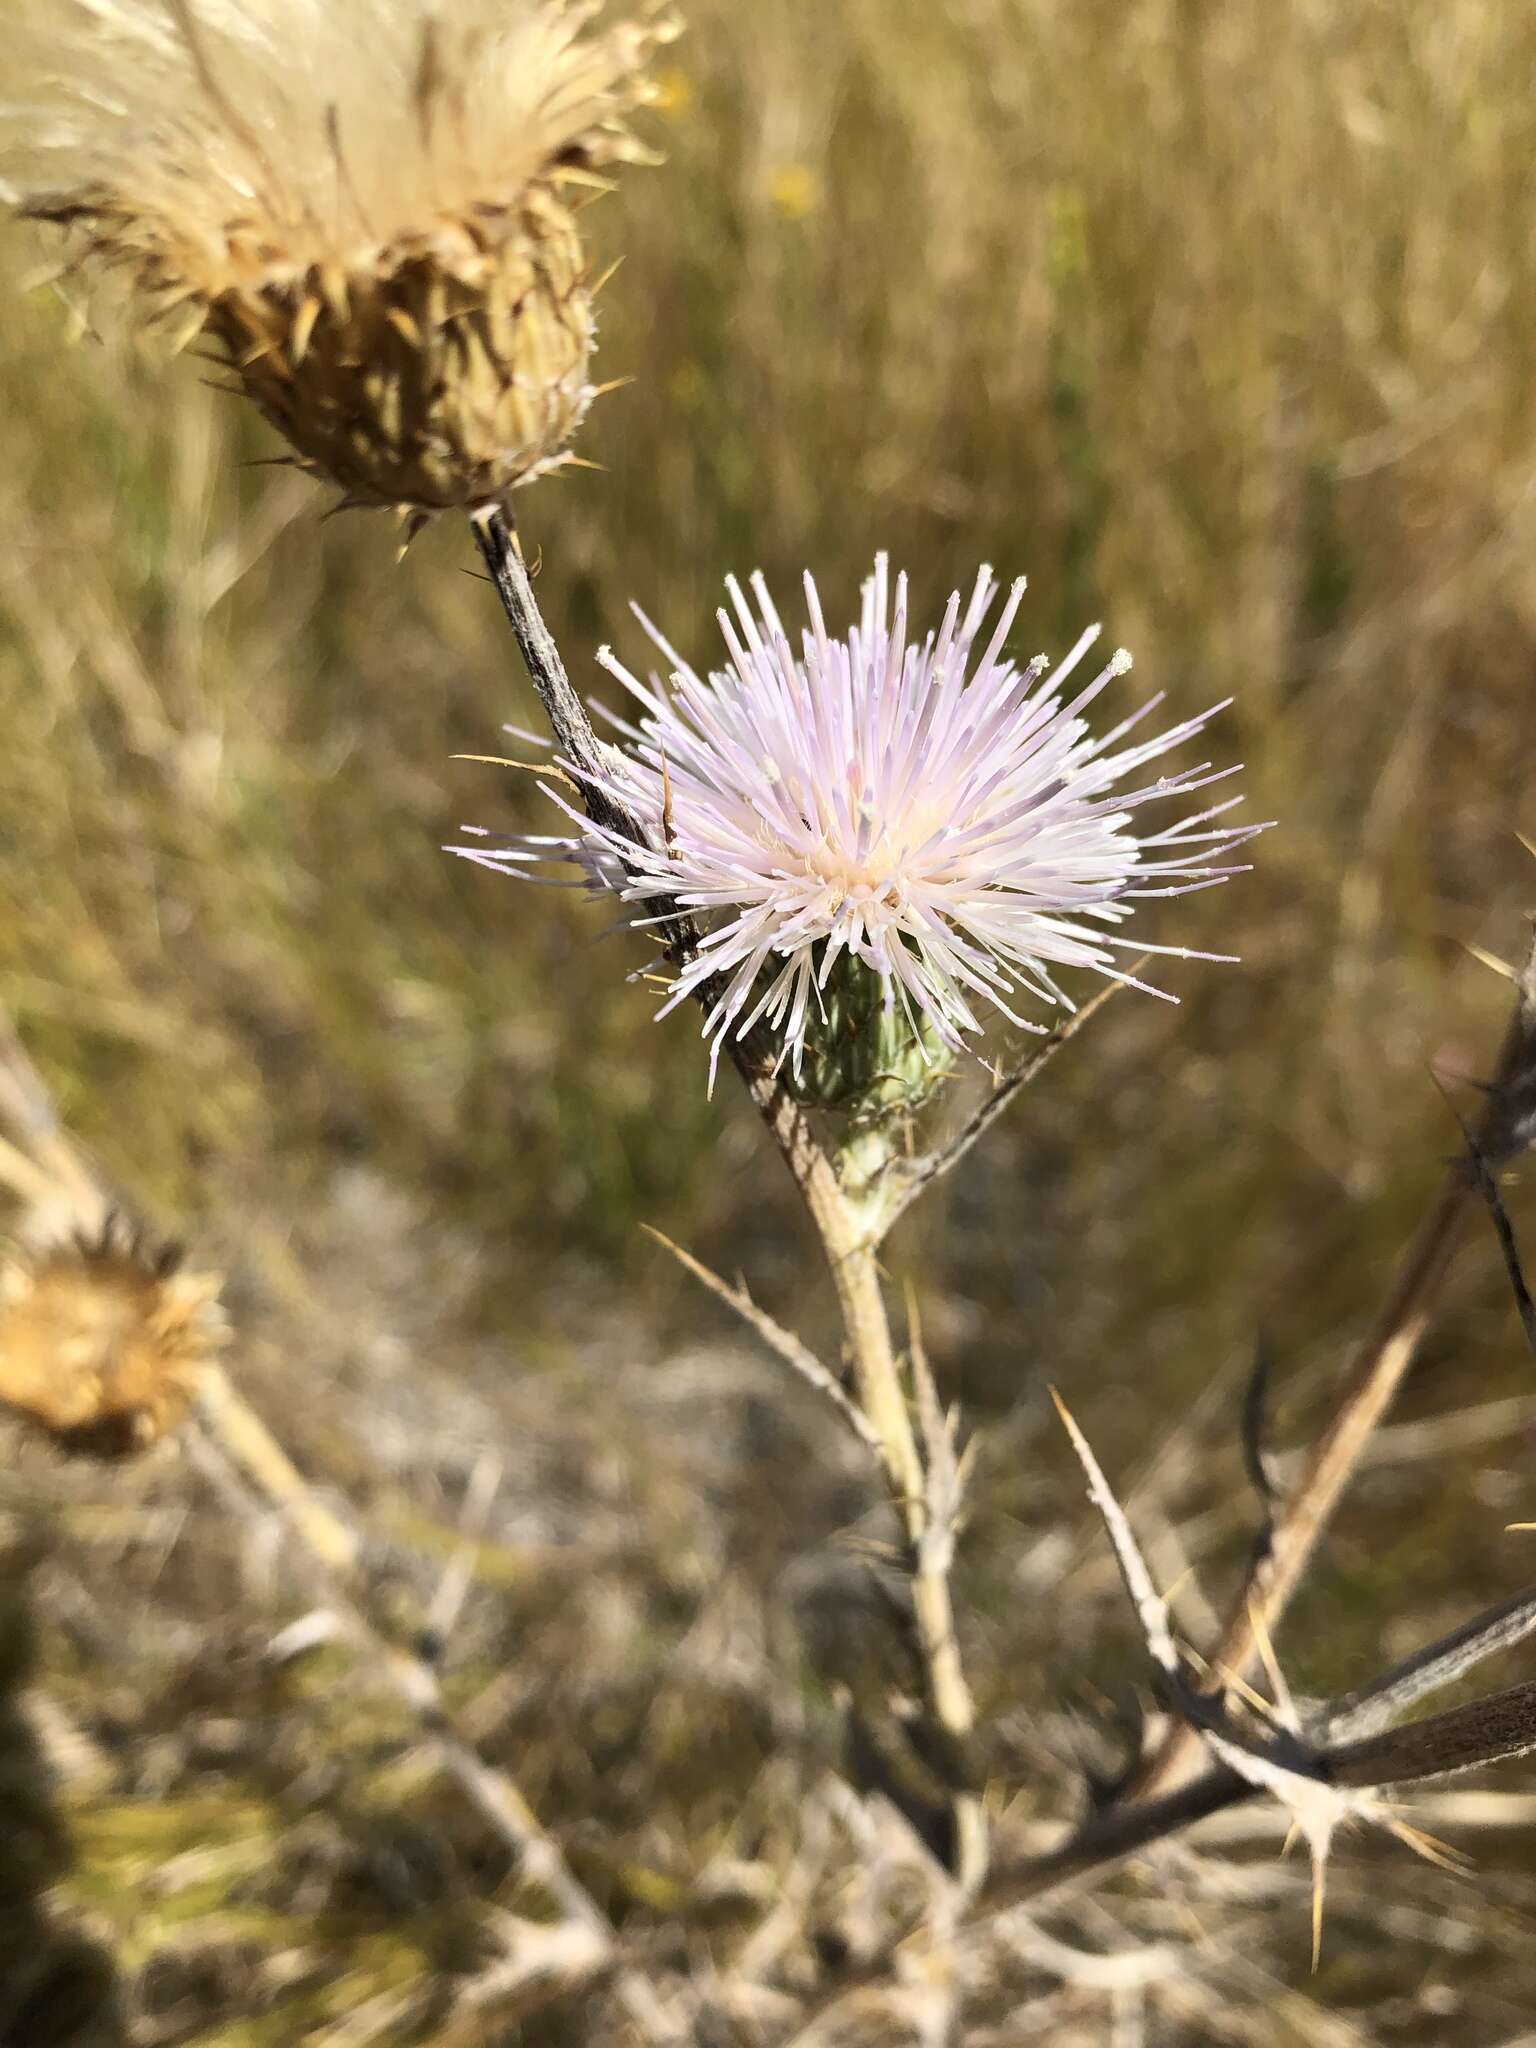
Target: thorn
413, 520
590, 181
1487, 959
551, 769
607, 278
182, 337
1441, 1854
1151, 1610
263, 352
1185, 1578
1234, 1681
1266, 1648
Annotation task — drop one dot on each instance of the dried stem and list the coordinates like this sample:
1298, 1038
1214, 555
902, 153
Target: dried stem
1485, 1731
1439, 1664
1380, 1367
220, 1452
1101, 1842
1332, 1762
849, 1230
584, 755
247, 1441
783, 1343
1490, 1730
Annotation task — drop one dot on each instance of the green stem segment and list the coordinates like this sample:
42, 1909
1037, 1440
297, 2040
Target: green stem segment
851, 1253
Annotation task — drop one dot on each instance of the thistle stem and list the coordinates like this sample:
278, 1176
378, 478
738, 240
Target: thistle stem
850, 1250
585, 755
849, 1229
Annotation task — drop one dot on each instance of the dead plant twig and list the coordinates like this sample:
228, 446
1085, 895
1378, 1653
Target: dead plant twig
1381, 1364
1504, 1230
414, 1681
797, 1355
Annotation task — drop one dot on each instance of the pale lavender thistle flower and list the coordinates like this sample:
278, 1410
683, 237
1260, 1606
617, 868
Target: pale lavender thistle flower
944, 818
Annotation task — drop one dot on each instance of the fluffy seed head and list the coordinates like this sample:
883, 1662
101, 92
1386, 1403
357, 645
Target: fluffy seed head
103, 1340
923, 810
364, 205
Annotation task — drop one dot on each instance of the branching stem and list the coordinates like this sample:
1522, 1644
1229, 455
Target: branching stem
1379, 1370
848, 1228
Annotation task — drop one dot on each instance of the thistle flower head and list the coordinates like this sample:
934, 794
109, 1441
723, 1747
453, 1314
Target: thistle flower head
363, 204
920, 818
103, 1338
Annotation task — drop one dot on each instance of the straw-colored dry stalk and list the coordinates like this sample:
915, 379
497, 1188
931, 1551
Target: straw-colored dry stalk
366, 206
104, 1339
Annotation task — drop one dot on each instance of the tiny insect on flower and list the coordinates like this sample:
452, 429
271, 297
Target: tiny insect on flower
942, 816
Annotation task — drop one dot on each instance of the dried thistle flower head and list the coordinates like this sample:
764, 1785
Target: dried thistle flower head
103, 1339
365, 205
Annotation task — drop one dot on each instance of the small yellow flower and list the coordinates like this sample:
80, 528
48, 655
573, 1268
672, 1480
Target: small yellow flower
366, 206
793, 191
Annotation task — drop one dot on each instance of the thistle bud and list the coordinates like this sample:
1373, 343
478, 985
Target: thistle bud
364, 206
103, 1339
863, 1053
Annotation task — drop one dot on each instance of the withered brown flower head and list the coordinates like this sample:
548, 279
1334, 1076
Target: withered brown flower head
103, 1339
366, 206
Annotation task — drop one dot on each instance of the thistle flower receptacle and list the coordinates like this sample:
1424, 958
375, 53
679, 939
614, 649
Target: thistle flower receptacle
103, 1340
921, 816
365, 206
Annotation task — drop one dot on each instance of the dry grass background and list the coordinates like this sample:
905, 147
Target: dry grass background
1221, 322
